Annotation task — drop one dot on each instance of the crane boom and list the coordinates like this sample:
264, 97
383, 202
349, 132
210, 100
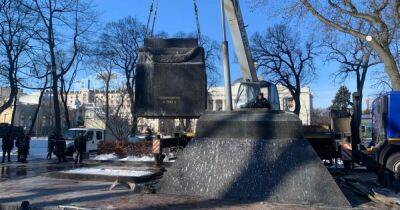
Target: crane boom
240, 39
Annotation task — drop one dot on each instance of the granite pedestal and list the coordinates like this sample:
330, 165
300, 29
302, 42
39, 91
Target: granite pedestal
252, 156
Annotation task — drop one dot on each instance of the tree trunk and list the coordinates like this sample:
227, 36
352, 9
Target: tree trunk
132, 108
66, 110
391, 67
13, 91
107, 109
56, 105
35, 114
66, 113
14, 110
297, 102
64, 101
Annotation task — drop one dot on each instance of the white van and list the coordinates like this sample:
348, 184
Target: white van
93, 136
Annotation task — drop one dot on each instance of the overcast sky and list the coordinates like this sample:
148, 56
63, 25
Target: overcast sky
178, 16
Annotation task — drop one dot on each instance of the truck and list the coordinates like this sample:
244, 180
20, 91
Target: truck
381, 152
385, 145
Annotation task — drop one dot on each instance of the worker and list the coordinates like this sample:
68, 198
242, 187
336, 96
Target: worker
7, 146
149, 135
262, 102
51, 143
25, 147
80, 147
59, 149
19, 143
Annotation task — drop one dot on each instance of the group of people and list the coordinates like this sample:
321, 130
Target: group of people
57, 145
22, 142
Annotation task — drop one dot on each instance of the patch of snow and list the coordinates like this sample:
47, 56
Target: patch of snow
43, 138
109, 172
138, 159
145, 158
38, 149
106, 157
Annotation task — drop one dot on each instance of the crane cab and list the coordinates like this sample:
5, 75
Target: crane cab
249, 91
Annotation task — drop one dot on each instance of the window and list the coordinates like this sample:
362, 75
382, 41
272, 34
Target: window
99, 135
89, 135
288, 104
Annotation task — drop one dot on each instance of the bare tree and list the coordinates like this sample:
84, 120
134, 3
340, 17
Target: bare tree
66, 83
35, 77
15, 35
122, 40
355, 57
347, 15
62, 29
114, 114
320, 117
280, 56
104, 69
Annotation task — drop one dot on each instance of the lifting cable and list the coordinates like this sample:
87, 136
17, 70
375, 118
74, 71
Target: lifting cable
196, 12
149, 18
154, 19
153, 14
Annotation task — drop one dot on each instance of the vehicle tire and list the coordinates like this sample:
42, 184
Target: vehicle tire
393, 167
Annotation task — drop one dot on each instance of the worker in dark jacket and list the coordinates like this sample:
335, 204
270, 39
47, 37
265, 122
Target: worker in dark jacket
59, 149
51, 143
7, 146
80, 147
19, 143
262, 102
25, 146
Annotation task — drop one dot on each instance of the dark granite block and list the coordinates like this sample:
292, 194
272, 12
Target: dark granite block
170, 79
282, 168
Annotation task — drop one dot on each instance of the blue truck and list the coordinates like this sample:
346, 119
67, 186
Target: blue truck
385, 149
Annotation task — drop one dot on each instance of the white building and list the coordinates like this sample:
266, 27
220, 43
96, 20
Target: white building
216, 100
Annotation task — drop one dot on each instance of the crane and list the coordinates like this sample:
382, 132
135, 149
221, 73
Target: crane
243, 154
251, 86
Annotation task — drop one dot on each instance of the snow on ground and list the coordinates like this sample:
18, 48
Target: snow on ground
106, 157
109, 172
138, 159
38, 149
113, 157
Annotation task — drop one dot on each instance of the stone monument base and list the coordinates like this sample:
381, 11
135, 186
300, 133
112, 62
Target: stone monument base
279, 166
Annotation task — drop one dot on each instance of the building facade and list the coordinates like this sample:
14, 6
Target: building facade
88, 106
216, 100
6, 115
